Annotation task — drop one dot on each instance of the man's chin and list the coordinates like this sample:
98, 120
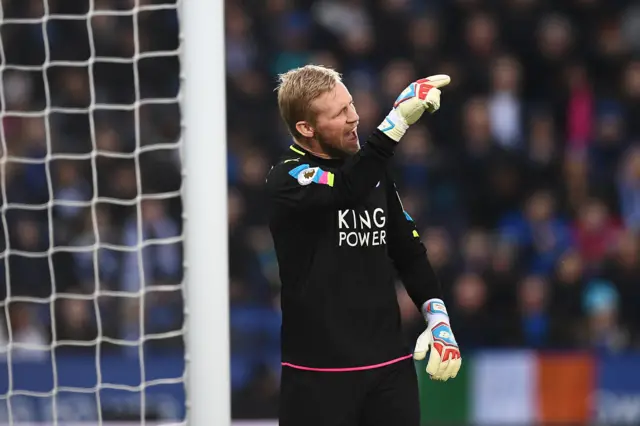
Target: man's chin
351, 145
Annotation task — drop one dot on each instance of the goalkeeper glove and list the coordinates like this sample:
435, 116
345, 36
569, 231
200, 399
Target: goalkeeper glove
420, 96
444, 354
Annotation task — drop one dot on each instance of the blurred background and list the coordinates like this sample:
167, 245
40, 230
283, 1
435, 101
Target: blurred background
526, 184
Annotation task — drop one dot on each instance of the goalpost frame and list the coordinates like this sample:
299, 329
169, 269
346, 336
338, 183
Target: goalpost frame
206, 232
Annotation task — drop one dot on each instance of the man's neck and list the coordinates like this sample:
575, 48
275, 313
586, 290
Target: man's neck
315, 149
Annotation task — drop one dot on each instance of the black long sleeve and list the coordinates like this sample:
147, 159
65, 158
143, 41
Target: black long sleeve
409, 254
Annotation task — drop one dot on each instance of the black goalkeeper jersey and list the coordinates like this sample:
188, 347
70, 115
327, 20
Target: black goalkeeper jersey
342, 238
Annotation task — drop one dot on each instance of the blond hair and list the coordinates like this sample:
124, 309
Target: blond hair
298, 88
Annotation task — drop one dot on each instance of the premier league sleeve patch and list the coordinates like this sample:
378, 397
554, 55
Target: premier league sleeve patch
307, 175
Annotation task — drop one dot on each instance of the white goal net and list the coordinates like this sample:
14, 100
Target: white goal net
91, 312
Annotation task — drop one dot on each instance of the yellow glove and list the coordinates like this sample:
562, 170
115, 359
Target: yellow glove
420, 96
444, 354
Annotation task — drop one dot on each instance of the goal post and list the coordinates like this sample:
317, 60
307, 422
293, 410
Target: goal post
204, 109
113, 213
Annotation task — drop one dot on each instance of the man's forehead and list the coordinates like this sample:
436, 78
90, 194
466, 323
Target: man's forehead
335, 98
341, 93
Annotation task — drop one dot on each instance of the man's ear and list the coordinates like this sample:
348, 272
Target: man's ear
305, 129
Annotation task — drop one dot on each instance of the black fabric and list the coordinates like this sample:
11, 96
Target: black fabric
378, 397
340, 250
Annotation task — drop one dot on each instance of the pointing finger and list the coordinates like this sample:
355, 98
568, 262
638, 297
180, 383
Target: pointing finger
439, 80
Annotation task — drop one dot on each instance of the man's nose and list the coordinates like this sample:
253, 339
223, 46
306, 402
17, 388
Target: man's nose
353, 115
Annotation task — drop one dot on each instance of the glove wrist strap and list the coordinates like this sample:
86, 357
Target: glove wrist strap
434, 310
394, 126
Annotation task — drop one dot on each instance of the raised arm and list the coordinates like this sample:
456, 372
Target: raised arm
296, 185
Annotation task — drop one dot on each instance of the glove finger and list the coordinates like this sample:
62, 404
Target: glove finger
456, 367
444, 366
434, 363
433, 100
452, 368
439, 80
419, 355
441, 374
422, 347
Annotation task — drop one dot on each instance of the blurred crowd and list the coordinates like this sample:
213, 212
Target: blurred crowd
526, 183
90, 172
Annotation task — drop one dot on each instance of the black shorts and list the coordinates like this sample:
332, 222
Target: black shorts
385, 396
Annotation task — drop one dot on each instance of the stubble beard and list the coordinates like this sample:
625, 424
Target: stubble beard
335, 150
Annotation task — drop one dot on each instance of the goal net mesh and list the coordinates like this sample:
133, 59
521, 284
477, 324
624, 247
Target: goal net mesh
91, 313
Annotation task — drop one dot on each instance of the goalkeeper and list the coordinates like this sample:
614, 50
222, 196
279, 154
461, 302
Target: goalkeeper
341, 235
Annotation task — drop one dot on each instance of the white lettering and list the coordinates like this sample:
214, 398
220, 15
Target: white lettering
342, 223
365, 221
364, 238
370, 225
379, 219
375, 241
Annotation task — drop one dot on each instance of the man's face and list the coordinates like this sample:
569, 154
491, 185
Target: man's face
336, 122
